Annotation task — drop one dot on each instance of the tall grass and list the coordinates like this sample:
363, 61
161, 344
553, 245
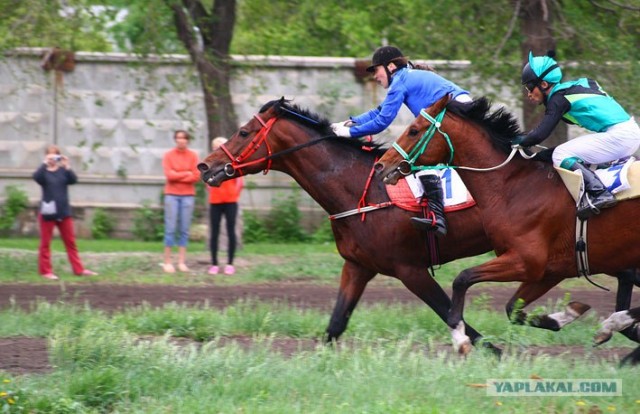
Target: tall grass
104, 368
250, 317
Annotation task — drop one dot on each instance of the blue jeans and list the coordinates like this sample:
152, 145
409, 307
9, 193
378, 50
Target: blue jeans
178, 211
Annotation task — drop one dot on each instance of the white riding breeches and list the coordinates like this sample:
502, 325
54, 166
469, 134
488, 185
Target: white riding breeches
619, 141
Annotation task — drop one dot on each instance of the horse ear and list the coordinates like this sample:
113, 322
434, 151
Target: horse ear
437, 107
282, 100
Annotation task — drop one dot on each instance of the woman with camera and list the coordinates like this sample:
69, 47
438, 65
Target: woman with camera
54, 176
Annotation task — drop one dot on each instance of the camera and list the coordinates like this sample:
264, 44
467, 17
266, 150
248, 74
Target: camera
57, 158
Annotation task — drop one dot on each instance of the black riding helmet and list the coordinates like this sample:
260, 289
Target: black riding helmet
529, 79
383, 56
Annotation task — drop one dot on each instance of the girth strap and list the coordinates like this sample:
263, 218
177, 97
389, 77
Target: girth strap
581, 252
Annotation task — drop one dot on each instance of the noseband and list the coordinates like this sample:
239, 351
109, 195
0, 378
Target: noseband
237, 163
407, 166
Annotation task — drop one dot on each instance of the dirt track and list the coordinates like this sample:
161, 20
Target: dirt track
29, 355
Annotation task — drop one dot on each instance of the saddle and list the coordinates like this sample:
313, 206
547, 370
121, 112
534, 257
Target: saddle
622, 180
407, 193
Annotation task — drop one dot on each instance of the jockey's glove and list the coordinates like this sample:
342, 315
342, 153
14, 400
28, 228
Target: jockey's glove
341, 130
520, 140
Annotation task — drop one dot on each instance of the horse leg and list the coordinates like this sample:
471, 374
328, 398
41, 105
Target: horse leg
529, 293
632, 359
430, 292
505, 268
352, 283
620, 321
617, 322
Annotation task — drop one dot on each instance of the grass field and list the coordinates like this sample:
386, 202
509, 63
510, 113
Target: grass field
125, 261
394, 358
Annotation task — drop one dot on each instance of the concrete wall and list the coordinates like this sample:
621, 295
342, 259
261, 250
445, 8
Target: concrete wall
114, 118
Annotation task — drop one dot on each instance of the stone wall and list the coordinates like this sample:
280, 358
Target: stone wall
114, 118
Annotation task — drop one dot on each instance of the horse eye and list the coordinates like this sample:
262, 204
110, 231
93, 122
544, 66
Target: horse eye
413, 132
244, 134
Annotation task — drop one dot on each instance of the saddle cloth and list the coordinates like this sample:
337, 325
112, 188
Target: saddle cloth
623, 180
407, 193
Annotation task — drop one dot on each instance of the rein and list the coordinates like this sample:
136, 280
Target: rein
421, 147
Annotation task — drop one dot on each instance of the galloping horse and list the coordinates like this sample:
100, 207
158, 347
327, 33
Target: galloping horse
526, 209
335, 171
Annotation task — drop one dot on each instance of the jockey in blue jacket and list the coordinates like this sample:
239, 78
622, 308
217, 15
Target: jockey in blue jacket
417, 88
582, 102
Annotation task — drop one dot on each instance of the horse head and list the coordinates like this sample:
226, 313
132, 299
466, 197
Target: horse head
412, 144
247, 151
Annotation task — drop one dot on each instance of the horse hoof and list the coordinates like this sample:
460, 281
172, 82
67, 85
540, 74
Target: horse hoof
578, 308
602, 337
465, 348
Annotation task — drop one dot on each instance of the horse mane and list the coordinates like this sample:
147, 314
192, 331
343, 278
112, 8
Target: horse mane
284, 108
501, 125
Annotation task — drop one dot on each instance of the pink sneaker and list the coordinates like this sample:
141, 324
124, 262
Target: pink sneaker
229, 270
50, 276
87, 272
213, 270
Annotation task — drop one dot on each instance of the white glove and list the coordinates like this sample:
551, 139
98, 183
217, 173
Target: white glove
341, 130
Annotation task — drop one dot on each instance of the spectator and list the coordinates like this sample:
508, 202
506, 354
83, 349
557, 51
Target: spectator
223, 201
54, 176
180, 169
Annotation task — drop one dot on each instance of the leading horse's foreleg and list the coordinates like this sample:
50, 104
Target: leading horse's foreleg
429, 290
529, 293
352, 284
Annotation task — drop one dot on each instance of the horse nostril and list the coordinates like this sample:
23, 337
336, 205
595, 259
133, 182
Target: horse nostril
378, 167
202, 167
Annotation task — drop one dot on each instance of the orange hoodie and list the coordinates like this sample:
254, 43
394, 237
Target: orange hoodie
228, 192
181, 170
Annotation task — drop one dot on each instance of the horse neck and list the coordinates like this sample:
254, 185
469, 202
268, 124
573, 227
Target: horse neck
497, 187
333, 175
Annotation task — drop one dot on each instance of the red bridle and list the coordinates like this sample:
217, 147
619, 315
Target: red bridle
261, 137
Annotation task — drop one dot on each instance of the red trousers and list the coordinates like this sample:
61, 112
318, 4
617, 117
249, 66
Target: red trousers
65, 227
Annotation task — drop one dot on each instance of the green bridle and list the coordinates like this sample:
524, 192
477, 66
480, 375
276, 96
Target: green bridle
421, 146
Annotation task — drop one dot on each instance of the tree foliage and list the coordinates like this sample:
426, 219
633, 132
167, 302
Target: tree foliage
601, 35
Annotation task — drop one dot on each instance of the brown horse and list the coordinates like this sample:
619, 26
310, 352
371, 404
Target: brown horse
335, 171
527, 212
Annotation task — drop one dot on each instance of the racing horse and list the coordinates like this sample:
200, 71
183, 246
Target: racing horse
335, 171
526, 209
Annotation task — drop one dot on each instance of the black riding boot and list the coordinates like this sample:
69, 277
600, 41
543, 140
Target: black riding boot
435, 198
597, 196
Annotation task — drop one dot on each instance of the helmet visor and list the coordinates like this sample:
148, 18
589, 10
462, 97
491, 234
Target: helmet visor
530, 86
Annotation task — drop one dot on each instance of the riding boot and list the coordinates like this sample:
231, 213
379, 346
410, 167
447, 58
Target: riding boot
597, 196
435, 199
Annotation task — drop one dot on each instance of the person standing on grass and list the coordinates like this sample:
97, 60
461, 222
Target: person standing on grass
181, 172
54, 177
223, 201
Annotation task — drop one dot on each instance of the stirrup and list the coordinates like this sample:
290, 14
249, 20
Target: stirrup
428, 224
587, 209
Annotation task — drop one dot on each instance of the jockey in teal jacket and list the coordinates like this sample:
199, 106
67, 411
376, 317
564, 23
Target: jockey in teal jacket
582, 102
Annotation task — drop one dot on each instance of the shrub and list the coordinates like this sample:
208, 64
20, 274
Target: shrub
15, 203
101, 224
254, 230
283, 221
324, 233
148, 223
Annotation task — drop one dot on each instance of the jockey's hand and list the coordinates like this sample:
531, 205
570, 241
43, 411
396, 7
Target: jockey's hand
341, 130
520, 140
